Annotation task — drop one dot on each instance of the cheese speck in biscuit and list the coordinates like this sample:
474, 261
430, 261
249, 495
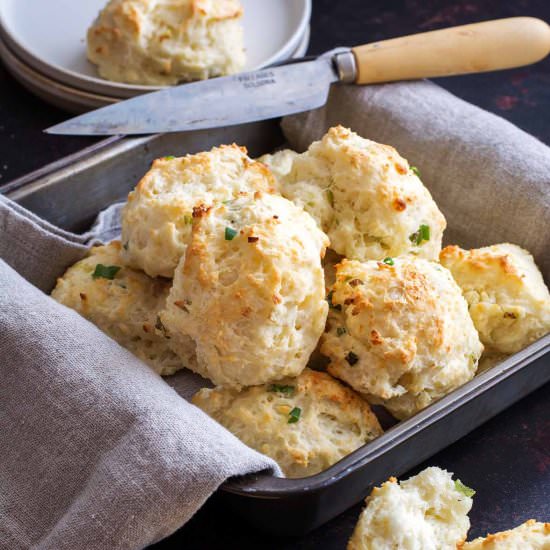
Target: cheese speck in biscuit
426, 512
363, 195
163, 42
157, 220
306, 423
250, 291
125, 304
399, 332
507, 298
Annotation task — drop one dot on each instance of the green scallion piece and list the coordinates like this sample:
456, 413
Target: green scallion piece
105, 271
388, 261
169, 157
278, 388
465, 490
415, 171
330, 196
340, 331
230, 233
423, 234
294, 415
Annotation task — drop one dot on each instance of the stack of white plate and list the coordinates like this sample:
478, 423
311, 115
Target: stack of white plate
43, 44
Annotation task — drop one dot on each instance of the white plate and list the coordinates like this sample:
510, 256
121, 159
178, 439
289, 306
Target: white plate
50, 37
67, 97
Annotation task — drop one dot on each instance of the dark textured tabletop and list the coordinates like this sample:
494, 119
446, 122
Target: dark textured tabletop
507, 460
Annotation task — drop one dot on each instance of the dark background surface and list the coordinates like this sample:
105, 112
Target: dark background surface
508, 459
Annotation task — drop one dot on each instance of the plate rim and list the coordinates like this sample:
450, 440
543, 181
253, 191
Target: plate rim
45, 88
99, 86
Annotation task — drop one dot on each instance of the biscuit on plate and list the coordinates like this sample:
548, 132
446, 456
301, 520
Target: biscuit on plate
531, 535
364, 196
399, 332
164, 42
123, 303
156, 221
250, 291
426, 512
507, 298
306, 424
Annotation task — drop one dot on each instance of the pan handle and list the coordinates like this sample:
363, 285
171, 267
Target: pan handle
481, 47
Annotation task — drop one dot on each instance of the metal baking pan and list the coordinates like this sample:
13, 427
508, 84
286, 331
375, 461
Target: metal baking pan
70, 193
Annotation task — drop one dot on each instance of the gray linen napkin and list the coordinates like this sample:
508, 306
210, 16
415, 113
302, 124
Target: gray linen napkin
98, 452
490, 179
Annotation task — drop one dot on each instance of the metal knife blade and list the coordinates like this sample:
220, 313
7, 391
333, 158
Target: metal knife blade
225, 101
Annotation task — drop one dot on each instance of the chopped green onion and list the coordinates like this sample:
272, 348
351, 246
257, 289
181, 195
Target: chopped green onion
278, 388
105, 271
415, 171
388, 261
337, 307
169, 157
341, 331
294, 415
423, 234
188, 220
230, 233
461, 488
330, 196
352, 358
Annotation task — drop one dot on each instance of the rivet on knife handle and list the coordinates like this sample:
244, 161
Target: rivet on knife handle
481, 47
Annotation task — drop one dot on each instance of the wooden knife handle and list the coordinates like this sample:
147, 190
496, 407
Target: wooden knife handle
481, 47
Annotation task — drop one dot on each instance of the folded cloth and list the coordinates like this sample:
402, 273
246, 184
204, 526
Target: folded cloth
490, 179
96, 451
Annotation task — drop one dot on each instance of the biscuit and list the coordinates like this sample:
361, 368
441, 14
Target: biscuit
306, 424
280, 163
156, 221
507, 298
425, 512
250, 291
164, 42
399, 332
531, 535
124, 304
364, 196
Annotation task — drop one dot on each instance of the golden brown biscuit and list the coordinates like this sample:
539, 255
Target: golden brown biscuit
507, 298
364, 196
250, 291
426, 512
156, 222
306, 423
163, 42
125, 304
400, 332
531, 535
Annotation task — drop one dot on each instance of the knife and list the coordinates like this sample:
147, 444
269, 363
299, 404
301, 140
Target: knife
304, 85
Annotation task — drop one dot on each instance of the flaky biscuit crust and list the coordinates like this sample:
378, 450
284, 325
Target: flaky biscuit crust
363, 195
164, 42
250, 290
157, 220
507, 298
531, 535
400, 333
333, 422
424, 512
126, 308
